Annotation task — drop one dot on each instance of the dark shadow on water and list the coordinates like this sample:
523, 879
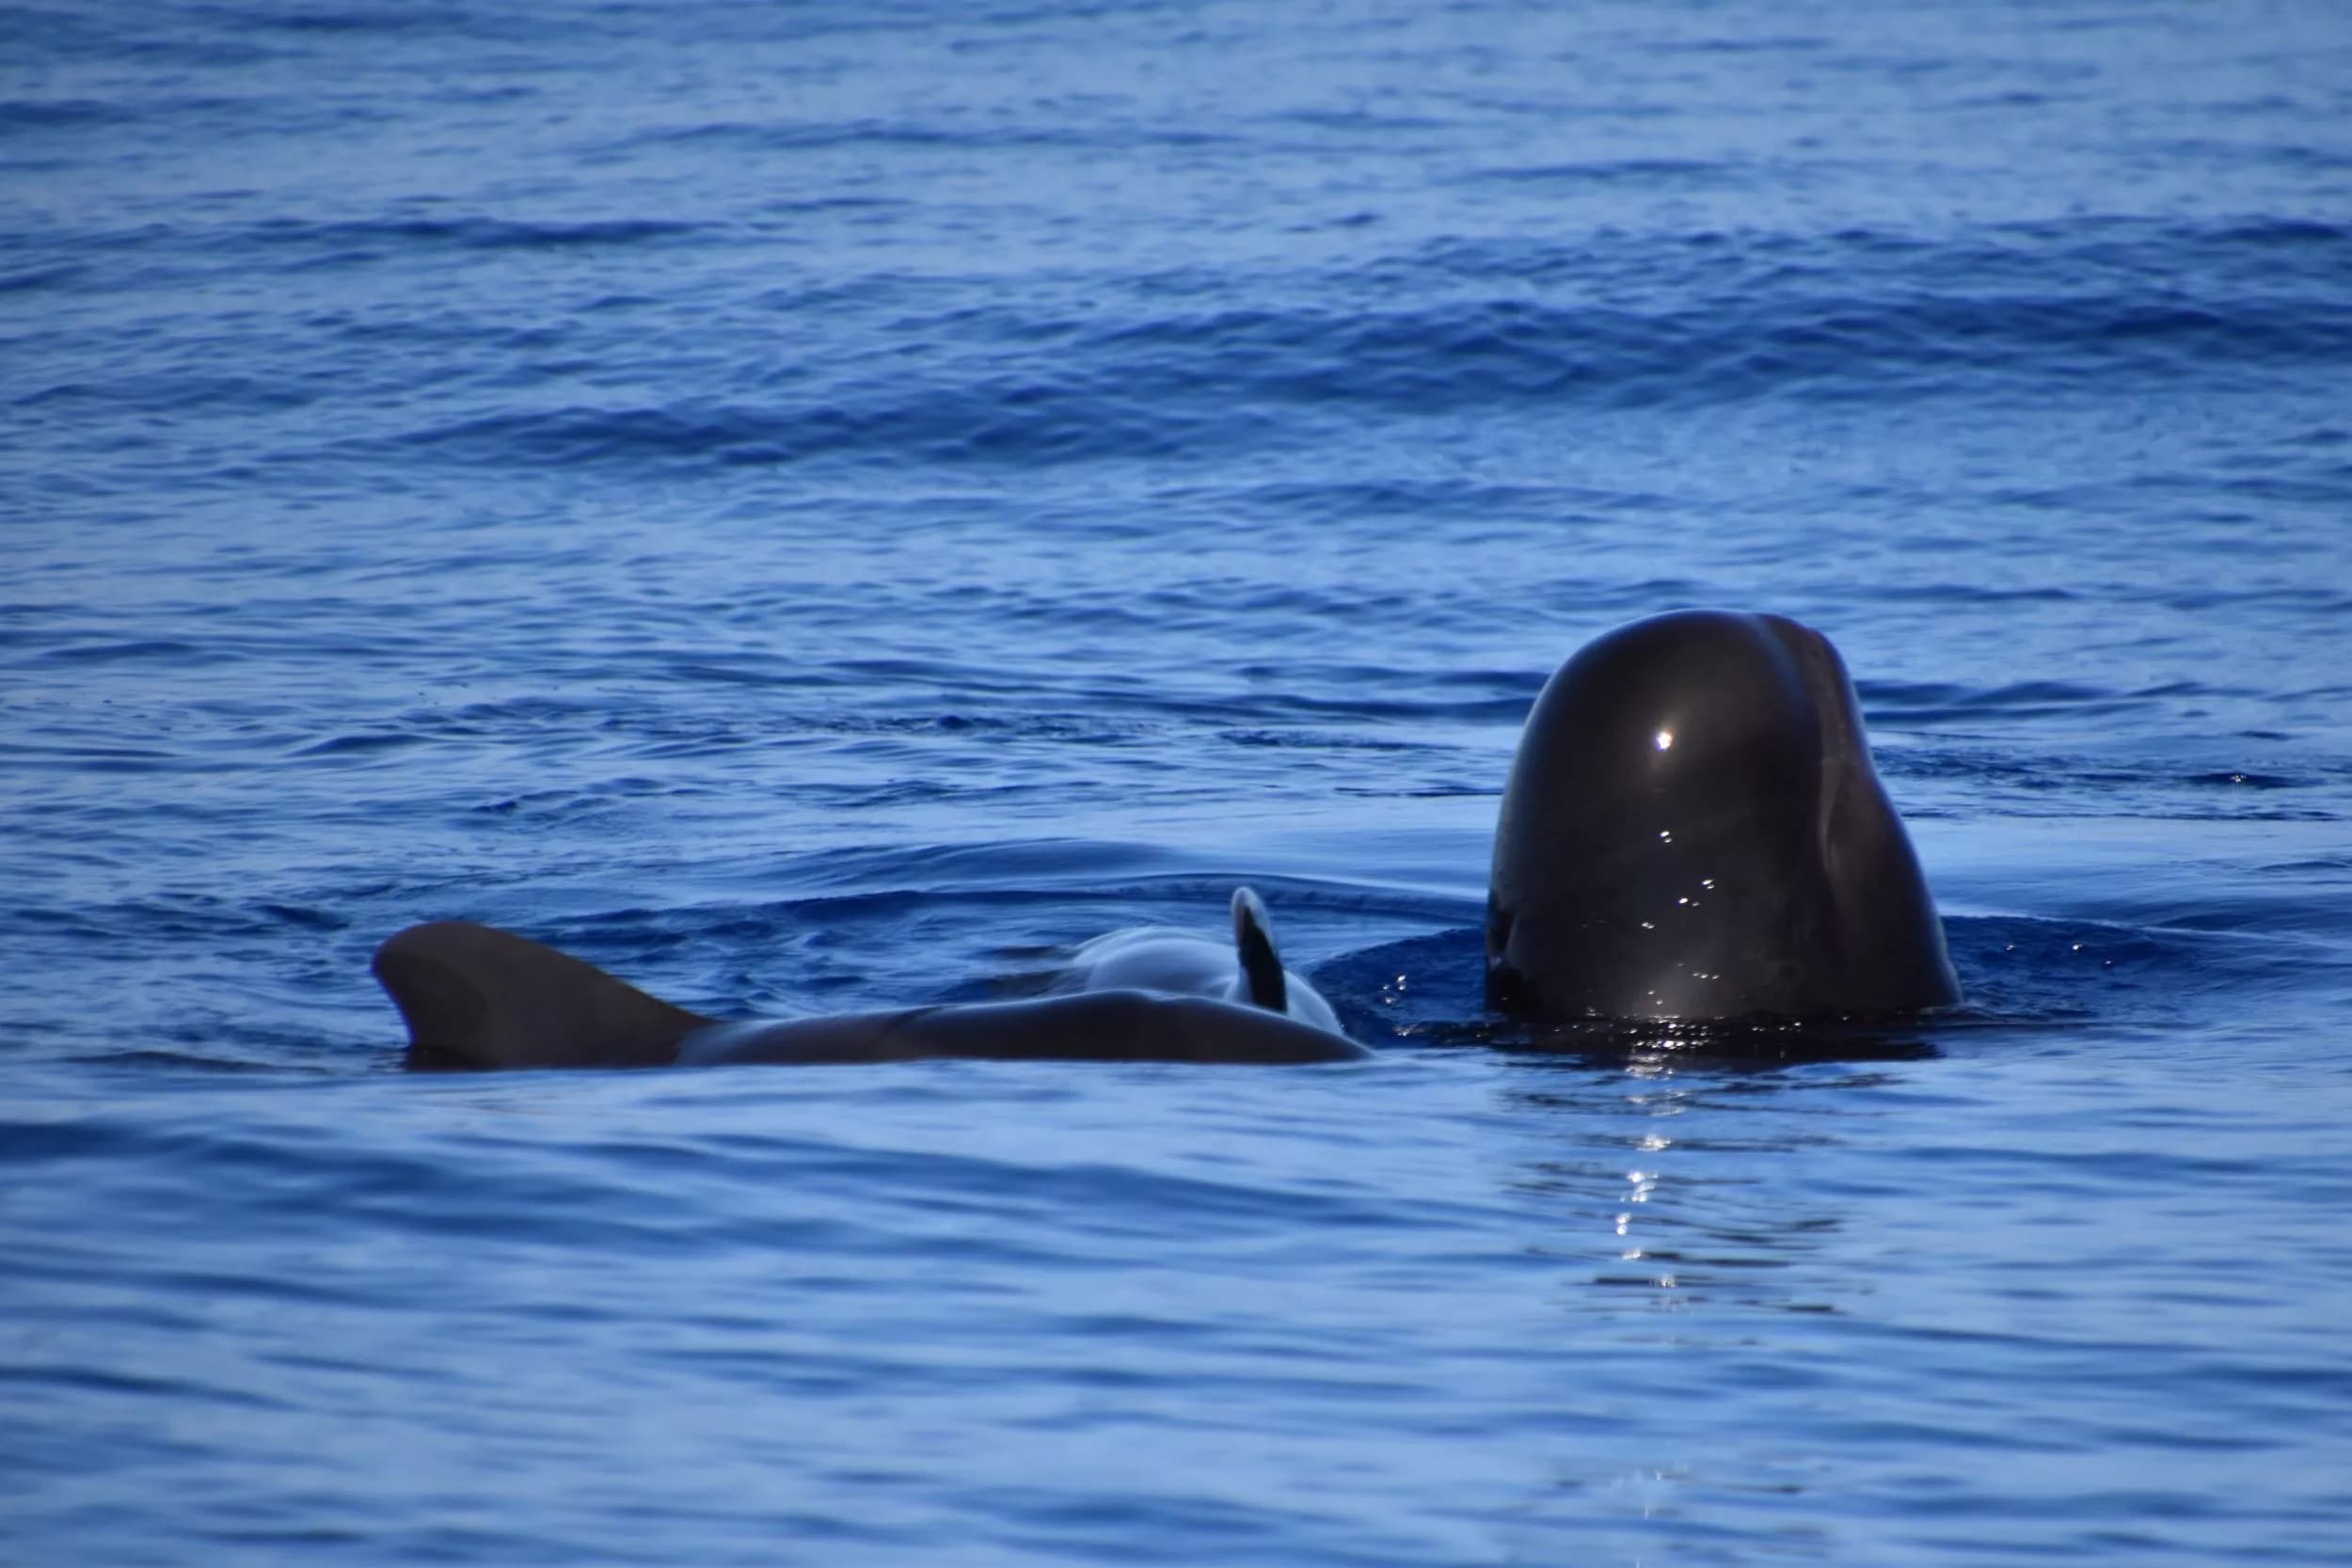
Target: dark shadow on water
1730, 1045
2018, 974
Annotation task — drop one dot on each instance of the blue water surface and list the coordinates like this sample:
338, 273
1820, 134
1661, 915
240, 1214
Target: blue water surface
818, 506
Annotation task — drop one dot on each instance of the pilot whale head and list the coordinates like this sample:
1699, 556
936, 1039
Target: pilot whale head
1692, 829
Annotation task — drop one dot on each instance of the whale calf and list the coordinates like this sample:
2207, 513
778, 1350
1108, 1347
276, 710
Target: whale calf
1156, 959
474, 997
1692, 829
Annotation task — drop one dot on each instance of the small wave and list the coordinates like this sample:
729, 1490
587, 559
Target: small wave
139, 650
471, 234
348, 18
1688, 171
2036, 312
368, 744
2242, 779
40, 277
769, 136
1035, 422
2282, 231
1916, 704
35, 113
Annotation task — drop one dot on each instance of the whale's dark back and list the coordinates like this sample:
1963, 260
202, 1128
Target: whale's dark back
1692, 829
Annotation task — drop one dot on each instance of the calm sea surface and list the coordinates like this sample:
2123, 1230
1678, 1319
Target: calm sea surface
820, 506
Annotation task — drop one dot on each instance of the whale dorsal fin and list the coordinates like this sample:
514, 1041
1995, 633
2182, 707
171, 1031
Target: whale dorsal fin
474, 997
1261, 965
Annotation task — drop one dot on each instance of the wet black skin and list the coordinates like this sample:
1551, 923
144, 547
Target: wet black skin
1692, 830
476, 998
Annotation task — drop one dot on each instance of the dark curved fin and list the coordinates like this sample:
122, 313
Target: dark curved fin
1261, 965
474, 997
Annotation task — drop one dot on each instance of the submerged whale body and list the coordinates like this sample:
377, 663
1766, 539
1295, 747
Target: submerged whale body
475, 997
1155, 959
1692, 830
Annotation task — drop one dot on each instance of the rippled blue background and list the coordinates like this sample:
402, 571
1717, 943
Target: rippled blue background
820, 506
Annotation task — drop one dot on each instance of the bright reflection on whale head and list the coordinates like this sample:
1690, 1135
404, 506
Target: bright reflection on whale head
1705, 745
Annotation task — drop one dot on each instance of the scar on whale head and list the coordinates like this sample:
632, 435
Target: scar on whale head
1692, 829
476, 997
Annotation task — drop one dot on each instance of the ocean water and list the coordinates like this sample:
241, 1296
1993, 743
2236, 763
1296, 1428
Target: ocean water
822, 506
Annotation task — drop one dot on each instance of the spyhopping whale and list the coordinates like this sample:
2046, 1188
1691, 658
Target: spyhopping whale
1692, 829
